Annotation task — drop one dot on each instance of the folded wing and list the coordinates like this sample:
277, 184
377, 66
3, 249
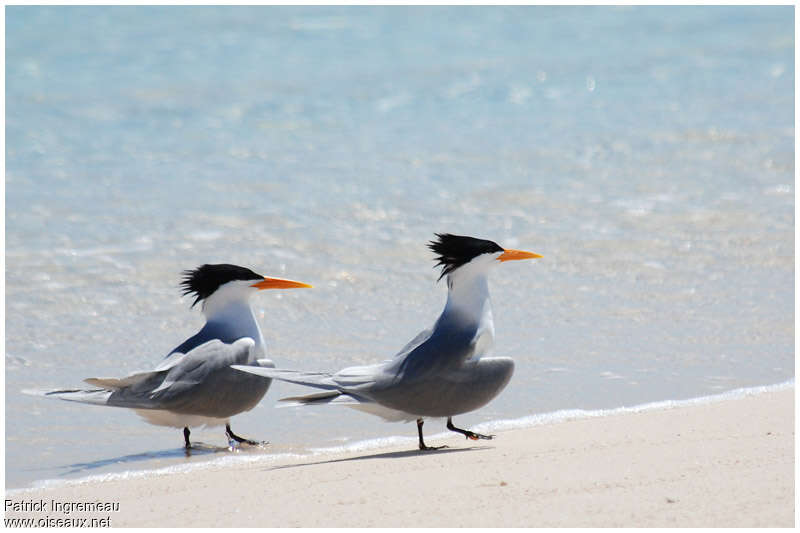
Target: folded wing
175, 376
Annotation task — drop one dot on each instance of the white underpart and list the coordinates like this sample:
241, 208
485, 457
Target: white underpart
158, 417
389, 415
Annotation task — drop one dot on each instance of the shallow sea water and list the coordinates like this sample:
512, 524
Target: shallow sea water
647, 153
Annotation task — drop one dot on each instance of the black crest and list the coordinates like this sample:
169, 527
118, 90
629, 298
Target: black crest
204, 280
455, 250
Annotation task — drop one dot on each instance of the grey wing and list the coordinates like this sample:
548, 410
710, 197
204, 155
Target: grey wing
426, 353
451, 391
182, 374
416, 341
446, 345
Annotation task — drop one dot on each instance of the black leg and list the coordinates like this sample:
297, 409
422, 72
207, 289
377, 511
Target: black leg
233, 436
186, 432
465, 432
422, 445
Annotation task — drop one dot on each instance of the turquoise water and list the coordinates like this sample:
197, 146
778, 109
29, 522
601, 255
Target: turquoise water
647, 153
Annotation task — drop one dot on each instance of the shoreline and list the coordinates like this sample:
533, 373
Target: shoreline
299, 452
713, 461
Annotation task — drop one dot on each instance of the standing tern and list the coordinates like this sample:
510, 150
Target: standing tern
442, 371
194, 384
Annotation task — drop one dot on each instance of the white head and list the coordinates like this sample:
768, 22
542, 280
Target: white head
216, 286
464, 257
466, 262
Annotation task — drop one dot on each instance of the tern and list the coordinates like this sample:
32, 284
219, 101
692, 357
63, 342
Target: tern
194, 384
442, 372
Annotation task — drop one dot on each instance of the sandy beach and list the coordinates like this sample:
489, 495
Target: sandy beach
727, 463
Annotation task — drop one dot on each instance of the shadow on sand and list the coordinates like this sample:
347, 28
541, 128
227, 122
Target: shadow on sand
388, 455
197, 449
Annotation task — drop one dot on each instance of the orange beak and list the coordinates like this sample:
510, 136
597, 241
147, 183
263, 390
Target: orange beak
515, 255
279, 283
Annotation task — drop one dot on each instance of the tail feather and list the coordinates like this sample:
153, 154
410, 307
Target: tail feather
318, 398
351, 400
94, 396
322, 398
319, 380
114, 392
118, 383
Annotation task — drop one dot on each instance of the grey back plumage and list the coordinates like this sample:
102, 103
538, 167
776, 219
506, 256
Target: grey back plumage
223, 331
447, 345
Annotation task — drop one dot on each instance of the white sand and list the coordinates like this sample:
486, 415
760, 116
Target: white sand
728, 463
